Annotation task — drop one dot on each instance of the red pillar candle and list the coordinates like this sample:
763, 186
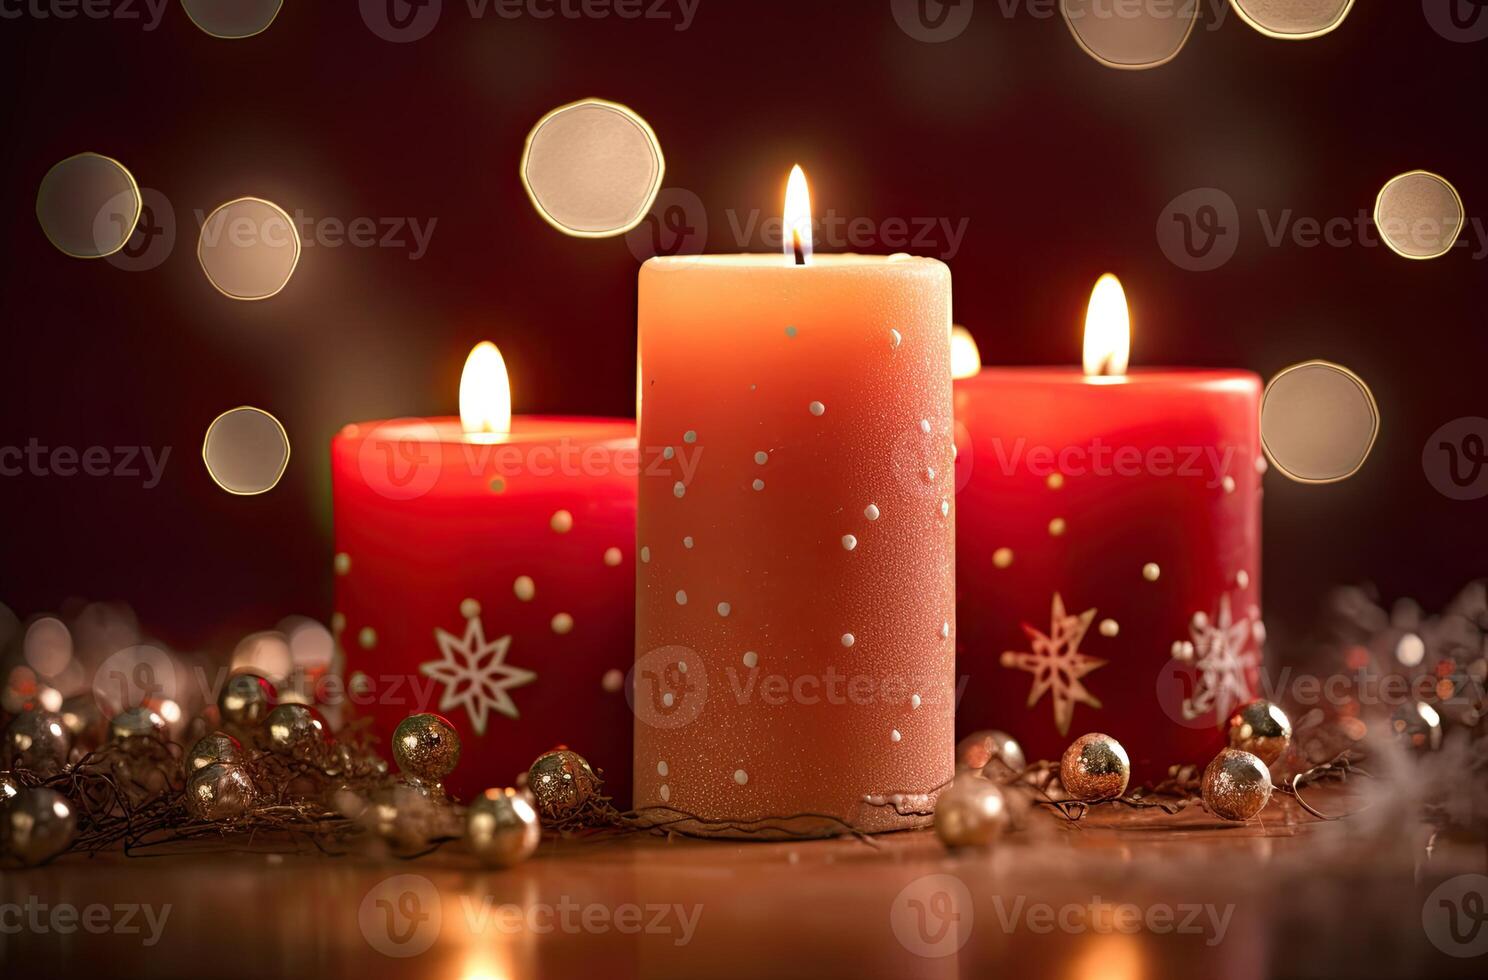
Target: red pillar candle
794, 648
485, 571
1109, 555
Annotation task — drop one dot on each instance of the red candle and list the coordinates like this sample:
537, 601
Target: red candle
1108, 570
485, 571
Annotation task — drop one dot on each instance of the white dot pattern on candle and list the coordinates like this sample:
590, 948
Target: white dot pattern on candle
1002, 557
817, 408
343, 563
914, 701
895, 338
562, 624
1200, 619
751, 659
690, 436
871, 512
1151, 571
1055, 481
666, 792
925, 426
645, 554
1261, 466
762, 457
945, 631
613, 681
668, 699
1259, 631
929, 474
524, 588
613, 557
848, 639
1242, 579
661, 768
758, 484
1057, 526
741, 777
338, 622
895, 736
668, 453
1183, 650
790, 331
687, 542
724, 609
945, 507
469, 608
682, 666
1109, 627
849, 542
678, 489
1229, 484
562, 521
681, 598
367, 638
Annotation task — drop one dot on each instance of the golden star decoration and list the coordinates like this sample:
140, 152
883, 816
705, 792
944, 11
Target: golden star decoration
1057, 664
475, 674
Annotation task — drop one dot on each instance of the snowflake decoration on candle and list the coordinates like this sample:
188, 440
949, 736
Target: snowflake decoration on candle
1220, 657
1057, 664
475, 673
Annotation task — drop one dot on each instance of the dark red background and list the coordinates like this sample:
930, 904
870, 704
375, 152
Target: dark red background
1061, 166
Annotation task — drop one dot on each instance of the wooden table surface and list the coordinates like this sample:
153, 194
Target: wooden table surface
1123, 895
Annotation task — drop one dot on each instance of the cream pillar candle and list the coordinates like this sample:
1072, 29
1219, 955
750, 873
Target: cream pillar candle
796, 600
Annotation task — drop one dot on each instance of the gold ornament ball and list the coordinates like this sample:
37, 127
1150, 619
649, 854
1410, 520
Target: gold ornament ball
216, 747
990, 747
562, 783
971, 812
135, 723
37, 825
9, 788
1095, 767
1236, 785
502, 828
246, 700
1262, 729
298, 731
37, 741
220, 791
427, 747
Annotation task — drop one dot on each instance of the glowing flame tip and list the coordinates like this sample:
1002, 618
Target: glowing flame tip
1107, 329
485, 393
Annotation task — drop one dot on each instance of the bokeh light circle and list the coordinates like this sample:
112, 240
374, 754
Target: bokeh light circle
592, 168
1293, 20
1419, 215
232, 19
1319, 422
1131, 37
88, 206
48, 646
249, 248
246, 451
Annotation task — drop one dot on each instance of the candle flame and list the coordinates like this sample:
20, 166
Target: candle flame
966, 358
1107, 329
798, 218
485, 393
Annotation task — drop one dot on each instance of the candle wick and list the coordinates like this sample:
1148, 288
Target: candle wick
799, 250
